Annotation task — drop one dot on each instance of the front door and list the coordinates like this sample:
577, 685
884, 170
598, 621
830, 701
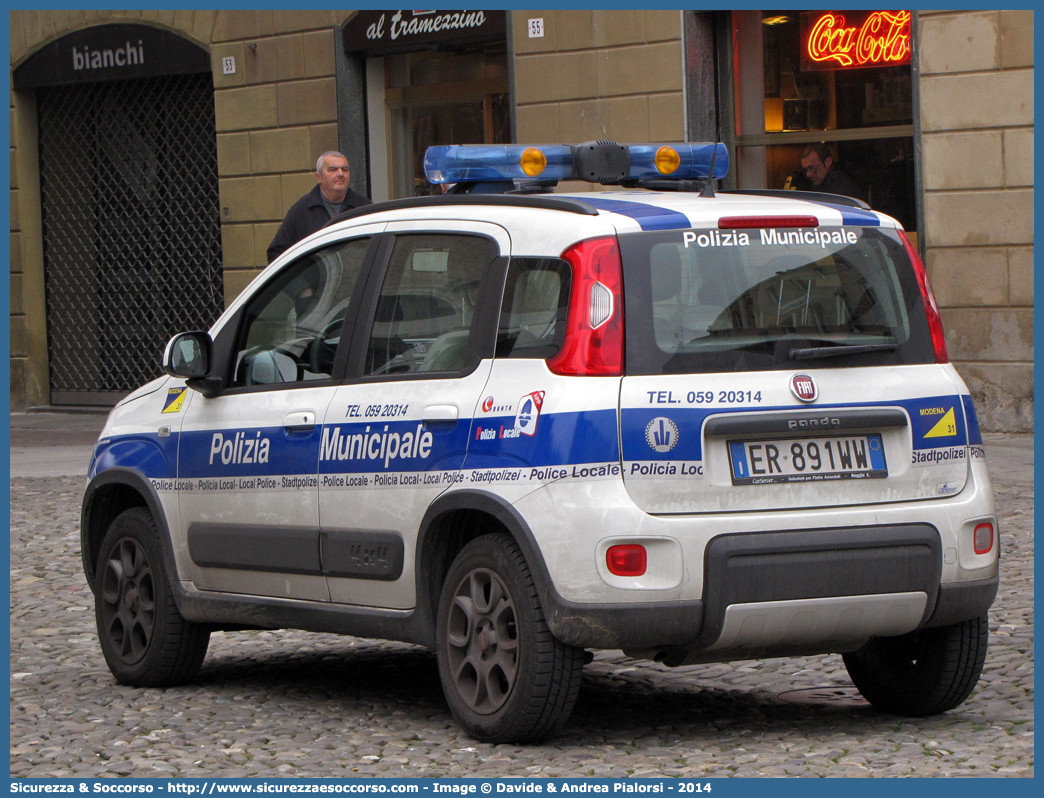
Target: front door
248, 461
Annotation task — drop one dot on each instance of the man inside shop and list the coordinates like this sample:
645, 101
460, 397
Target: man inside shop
822, 173
331, 196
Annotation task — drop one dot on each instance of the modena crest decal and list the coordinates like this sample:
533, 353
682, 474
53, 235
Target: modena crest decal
175, 399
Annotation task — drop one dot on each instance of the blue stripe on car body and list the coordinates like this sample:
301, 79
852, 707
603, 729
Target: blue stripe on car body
649, 217
573, 438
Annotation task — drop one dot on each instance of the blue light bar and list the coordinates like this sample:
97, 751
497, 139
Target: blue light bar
472, 163
478, 163
695, 161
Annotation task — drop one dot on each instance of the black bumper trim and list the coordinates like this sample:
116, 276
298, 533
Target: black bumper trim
962, 601
264, 612
818, 563
632, 626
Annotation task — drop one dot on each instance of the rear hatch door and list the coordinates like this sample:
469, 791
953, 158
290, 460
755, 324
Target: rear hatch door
781, 372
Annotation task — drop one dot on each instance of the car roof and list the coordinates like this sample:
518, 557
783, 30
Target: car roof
633, 210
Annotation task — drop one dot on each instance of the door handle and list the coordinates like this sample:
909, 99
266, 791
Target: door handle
439, 413
299, 421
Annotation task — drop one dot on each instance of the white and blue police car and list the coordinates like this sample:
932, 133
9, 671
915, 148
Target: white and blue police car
512, 424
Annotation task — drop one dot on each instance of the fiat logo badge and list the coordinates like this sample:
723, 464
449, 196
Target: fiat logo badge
804, 388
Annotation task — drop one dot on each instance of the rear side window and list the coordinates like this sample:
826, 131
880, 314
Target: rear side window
704, 301
534, 310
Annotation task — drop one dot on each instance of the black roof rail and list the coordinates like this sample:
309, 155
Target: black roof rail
516, 200
814, 196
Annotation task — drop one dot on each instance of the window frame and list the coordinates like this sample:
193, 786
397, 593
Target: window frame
480, 345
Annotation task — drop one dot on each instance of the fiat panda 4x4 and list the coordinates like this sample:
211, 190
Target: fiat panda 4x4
511, 425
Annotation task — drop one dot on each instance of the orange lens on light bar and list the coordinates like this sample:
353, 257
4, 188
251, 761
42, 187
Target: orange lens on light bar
532, 162
667, 160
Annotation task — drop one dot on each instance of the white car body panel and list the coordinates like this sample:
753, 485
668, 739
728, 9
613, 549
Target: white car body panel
580, 485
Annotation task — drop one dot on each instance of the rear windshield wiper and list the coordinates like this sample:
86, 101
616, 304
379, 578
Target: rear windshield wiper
836, 351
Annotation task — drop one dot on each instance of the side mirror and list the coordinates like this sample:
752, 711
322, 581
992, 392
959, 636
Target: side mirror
188, 355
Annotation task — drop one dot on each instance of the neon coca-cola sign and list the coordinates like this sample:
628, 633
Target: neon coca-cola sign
852, 39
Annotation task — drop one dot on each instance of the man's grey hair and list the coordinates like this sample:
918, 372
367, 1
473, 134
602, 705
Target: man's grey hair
319, 163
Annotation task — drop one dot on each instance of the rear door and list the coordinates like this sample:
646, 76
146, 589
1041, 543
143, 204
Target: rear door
767, 371
396, 433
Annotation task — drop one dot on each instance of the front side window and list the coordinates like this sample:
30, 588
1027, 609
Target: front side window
749, 300
427, 304
292, 328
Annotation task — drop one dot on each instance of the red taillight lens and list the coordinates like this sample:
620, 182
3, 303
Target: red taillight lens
765, 222
594, 338
983, 538
930, 306
626, 560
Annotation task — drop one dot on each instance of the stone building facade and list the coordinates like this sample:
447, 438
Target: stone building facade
977, 134
297, 90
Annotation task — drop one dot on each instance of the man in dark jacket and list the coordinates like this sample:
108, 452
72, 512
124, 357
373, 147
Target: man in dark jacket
330, 197
823, 174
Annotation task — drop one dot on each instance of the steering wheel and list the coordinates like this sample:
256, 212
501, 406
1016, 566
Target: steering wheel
324, 347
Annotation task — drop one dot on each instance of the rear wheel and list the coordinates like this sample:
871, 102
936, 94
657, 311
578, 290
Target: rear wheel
507, 679
923, 672
145, 640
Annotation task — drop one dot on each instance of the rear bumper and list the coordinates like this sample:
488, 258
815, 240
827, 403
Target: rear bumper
961, 601
801, 591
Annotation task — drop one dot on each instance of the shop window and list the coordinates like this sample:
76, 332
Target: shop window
443, 97
842, 78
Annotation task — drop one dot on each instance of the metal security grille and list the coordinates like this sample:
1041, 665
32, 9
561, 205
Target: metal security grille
131, 228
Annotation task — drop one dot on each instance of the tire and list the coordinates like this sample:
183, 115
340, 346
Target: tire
145, 640
924, 672
506, 678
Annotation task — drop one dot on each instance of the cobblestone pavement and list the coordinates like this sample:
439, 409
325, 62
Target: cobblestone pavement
295, 704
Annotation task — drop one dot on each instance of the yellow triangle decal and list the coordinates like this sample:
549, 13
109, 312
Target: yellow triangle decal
946, 427
175, 406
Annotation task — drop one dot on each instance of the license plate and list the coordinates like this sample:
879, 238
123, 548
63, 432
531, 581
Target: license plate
807, 459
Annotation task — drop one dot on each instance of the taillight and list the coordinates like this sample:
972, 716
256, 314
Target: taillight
930, 306
594, 339
983, 538
626, 560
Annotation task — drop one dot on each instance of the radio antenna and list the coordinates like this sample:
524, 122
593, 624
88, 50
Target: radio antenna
708, 187
707, 191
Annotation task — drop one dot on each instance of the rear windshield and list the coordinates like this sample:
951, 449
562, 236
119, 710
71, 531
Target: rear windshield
700, 301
